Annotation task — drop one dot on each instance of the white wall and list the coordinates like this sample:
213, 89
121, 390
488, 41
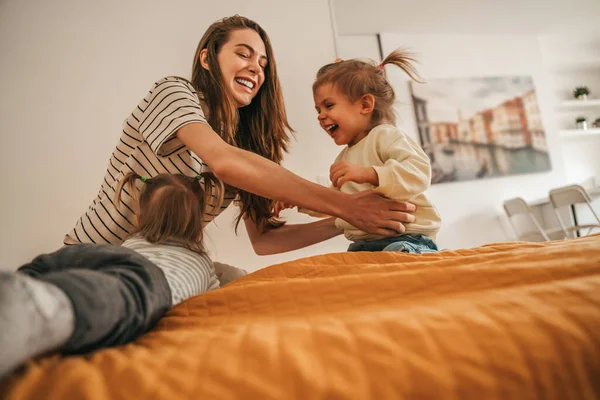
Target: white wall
472, 211
574, 60
358, 46
72, 71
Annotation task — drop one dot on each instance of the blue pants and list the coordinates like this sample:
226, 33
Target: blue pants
413, 244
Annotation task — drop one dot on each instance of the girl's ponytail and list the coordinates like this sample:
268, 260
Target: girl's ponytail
404, 60
128, 180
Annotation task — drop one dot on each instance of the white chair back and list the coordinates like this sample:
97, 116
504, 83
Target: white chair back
518, 206
569, 196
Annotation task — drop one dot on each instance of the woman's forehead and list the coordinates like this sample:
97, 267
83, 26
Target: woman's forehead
248, 37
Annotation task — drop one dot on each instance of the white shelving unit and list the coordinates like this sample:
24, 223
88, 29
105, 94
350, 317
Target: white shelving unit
568, 110
573, 133
577, 104
590, 107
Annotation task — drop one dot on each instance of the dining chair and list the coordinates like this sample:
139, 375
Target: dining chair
518, 207
570, 196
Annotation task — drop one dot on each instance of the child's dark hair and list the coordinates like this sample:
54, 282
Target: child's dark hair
171, 207
355, 78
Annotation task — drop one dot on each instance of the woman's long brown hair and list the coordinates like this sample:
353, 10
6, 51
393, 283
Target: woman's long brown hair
261, 127
171, 207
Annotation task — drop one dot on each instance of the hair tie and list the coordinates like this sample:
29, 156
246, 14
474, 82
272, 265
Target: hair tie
143, 178
198, 177
337, 60
381, 66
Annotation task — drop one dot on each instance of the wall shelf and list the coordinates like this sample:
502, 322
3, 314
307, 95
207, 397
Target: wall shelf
571, 104
573, 133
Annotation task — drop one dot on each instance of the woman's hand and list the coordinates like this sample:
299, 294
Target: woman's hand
372, 212
343, 171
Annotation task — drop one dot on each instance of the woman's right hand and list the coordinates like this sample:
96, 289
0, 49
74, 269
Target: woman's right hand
374, 213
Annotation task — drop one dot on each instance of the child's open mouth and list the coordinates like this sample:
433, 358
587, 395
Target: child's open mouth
331, 128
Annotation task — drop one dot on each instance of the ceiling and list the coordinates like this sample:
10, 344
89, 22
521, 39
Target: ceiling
361, 17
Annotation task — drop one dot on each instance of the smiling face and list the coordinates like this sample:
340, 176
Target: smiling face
345, 121
242, 60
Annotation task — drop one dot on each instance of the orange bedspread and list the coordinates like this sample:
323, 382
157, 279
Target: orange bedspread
504, 321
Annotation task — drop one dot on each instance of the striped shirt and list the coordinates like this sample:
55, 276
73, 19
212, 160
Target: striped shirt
188, 273
148, 146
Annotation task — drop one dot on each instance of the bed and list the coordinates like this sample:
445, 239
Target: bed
505, 321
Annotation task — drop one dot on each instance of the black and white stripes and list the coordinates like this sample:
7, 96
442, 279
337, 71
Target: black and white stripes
148, 146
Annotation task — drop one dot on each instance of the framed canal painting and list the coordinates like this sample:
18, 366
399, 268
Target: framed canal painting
476, 128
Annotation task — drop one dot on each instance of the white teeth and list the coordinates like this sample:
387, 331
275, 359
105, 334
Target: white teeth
330, 127
246, 83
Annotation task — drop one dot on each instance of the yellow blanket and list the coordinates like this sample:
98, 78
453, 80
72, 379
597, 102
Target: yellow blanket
503, 321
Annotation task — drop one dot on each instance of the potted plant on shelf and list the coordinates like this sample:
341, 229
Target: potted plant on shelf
581, 92
581, 123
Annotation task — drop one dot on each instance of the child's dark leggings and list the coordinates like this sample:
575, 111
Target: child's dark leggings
117, 294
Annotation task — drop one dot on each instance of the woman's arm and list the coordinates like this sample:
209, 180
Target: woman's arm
290, 237
366, 210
